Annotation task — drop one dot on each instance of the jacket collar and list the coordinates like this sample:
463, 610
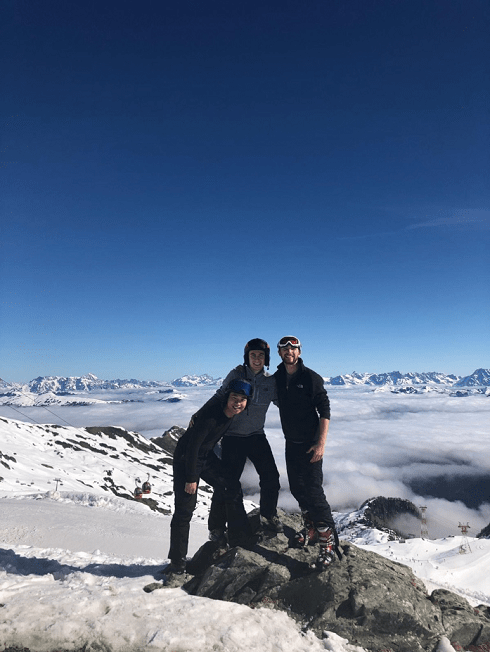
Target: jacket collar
250, 374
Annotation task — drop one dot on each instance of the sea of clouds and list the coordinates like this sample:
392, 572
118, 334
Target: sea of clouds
379, 444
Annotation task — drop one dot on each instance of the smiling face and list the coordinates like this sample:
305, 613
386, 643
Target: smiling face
256, 361
235, 404
289, 354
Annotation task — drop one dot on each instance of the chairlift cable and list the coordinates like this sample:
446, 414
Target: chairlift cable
25, 415
55, 415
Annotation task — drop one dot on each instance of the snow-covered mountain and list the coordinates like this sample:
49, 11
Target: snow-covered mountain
101, 461
90, 383
195, 381
393, 378
89, 390
479, 378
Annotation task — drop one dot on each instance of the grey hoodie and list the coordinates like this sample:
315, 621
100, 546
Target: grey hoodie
251, 420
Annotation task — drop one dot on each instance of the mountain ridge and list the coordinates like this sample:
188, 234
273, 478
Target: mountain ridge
89, 382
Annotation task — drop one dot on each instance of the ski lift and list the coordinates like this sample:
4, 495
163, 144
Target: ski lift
147, 486
138, 491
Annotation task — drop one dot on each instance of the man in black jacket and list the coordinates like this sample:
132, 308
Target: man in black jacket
304, 409
194, 458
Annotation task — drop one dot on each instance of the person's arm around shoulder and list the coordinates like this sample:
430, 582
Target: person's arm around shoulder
274, 389
220, 393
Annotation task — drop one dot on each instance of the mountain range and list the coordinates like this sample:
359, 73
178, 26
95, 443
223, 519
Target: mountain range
89, 382
90, 390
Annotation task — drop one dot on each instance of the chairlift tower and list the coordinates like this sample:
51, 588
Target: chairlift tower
465, 544
424, 532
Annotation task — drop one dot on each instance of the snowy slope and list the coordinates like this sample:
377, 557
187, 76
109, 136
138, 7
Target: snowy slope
73, 561
80, 462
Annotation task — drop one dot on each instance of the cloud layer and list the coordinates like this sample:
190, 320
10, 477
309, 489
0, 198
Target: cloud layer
432, 449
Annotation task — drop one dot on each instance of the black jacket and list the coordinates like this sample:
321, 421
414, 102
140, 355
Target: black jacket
207, 427
302, 403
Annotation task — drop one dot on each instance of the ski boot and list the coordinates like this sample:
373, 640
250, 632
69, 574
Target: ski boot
326, 540
273, 524
176, 567
308, 535
219, 536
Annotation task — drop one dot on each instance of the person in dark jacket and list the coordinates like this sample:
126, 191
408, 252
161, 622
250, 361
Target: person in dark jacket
304, 409
245, 438
194, 458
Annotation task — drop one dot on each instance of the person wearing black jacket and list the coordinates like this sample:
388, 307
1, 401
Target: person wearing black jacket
194, 458
304, 409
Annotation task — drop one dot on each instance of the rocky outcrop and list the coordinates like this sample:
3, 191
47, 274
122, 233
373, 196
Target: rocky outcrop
168, 441
382, 513
371, 601
464, 624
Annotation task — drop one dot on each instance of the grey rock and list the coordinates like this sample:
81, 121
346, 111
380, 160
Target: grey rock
241, 576
381, 513
168, 441
371, 601
463, 623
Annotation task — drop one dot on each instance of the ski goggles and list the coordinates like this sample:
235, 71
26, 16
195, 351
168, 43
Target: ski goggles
289, 341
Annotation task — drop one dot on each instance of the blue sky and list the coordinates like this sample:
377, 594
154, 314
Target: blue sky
179, 177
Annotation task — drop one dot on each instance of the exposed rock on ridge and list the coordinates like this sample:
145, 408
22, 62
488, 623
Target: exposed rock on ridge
371, 601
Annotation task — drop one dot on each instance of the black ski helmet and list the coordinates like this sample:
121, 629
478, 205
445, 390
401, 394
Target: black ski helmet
257, 345
239, 386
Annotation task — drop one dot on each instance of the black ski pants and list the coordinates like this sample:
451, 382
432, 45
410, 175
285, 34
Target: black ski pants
229, 503
234, 454
306, 483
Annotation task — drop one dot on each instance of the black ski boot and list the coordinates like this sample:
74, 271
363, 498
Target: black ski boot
273, 524
219, 536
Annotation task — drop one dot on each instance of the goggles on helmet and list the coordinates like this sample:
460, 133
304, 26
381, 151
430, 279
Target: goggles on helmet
289, 341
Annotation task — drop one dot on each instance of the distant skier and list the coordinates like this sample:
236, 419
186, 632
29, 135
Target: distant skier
304, 409
194, 458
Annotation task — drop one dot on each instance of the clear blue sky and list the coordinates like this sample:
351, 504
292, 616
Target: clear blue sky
178, 177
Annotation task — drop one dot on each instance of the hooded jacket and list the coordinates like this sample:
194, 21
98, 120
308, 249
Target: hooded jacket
302, 402
251, 421
207, 427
